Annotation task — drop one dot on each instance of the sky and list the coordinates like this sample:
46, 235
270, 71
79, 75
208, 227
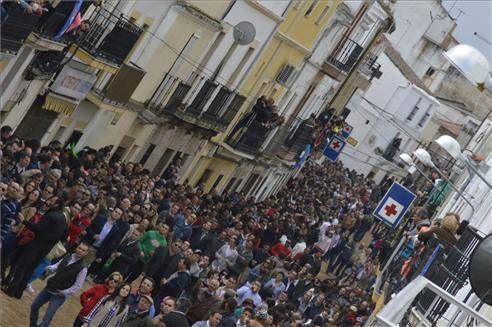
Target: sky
476, 17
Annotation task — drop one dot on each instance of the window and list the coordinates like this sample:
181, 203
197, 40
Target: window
311, 8
322, 15
424, 118
430, 71
116, 118
414, 110
470, 127
286, 74
205, 176
229, 185
217, 181
251, 181
235, 188
147, 154
345, 113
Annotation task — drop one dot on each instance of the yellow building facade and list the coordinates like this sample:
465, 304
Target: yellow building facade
219, 165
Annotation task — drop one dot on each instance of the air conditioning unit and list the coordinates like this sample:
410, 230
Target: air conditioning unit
286, 75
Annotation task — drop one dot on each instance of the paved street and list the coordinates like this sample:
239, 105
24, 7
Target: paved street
15, 312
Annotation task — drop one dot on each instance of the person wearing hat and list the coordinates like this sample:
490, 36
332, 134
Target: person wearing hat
139, 317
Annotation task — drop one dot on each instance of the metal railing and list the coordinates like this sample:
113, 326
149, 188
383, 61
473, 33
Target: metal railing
175, 101
252, 138
201, 99
443, 264
298, 138
345, 54
16, 25
215, 109
232, 110
369, 67
449, 271
218, 116
400, 312
111, 37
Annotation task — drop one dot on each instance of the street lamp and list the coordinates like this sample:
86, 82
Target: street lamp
451, 146
423, 156
471, 63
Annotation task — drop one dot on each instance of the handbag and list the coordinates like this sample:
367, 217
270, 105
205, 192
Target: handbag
57, 251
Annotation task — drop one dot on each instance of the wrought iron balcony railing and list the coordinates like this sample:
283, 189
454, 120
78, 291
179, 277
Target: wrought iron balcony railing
370, 67
345, 55
296, 141
252, 140
443, 264
217, 117
111, 37
16, 25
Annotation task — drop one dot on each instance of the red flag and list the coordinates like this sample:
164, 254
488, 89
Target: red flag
76, 22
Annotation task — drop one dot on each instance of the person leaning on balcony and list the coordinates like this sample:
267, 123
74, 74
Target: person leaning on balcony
445, 231
247, 119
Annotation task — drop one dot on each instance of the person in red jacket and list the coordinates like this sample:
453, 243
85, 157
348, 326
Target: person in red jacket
80, 221
91, 297
281, 249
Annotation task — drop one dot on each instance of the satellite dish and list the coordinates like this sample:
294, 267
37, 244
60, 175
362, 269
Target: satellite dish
244, 33
480, 270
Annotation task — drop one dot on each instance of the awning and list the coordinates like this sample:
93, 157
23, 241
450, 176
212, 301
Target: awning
59, 103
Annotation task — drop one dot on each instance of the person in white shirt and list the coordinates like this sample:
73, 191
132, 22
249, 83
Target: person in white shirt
70, 273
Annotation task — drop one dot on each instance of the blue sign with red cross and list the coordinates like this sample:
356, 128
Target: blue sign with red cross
346, 130
394, 205
334, 147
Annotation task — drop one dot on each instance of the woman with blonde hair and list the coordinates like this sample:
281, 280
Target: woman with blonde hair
93, 295
111, 310
445, 232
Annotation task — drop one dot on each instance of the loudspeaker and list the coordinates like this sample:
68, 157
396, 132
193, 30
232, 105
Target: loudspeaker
480, 270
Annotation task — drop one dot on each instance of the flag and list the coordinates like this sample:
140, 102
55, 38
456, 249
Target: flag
76, 22
70, 19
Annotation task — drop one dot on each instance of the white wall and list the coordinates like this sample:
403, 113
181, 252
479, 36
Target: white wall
377, 121
264, 25
276, 6
419, 26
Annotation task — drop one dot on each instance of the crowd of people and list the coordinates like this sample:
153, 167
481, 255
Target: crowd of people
199, 259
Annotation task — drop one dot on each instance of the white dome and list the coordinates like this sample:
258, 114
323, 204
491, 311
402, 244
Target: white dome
469, 61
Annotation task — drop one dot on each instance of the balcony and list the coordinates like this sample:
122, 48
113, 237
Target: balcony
295, 142
47, 36
16, 27
250, 133
217, 117
342, 59
252, 139
110, 40
442, 263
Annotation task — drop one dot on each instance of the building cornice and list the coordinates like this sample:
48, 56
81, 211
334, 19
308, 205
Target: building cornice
293, 43
200, 15
267, 12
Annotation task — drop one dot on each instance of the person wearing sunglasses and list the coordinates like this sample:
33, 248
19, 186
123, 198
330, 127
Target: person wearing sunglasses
93, 295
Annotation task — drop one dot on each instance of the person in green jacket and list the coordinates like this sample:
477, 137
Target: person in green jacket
152, 239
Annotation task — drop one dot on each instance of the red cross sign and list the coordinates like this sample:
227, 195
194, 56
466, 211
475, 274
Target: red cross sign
335, 144
395, 203
390, 210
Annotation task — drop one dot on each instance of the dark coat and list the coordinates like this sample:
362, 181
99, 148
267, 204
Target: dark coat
113, 239
130, 253
95, 227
